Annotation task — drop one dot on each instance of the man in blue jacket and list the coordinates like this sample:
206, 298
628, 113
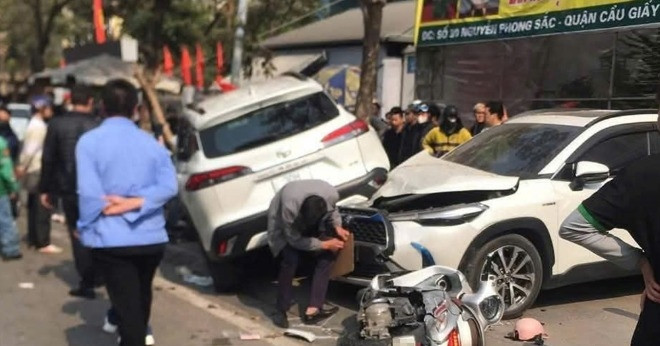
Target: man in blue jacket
124, 178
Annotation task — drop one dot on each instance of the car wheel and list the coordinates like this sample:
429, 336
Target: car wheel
225, 274
517, 268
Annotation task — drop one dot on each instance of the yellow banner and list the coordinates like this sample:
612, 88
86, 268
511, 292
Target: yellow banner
484, 17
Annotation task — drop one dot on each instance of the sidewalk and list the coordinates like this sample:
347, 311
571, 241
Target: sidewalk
47, 315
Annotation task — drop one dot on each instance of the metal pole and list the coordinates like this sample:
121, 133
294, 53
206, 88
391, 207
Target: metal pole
237, 58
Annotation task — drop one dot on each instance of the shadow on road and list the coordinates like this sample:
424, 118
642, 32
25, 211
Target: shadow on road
92, 314
595, 290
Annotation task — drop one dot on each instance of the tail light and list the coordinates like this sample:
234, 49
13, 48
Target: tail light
344, 133
206, 179
454, 340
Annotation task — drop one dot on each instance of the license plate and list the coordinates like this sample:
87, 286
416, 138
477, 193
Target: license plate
284, 179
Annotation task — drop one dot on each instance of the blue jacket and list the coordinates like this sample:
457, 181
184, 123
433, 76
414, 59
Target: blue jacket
118, 158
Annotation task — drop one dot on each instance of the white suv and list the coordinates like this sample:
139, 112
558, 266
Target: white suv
236, 150
494, 205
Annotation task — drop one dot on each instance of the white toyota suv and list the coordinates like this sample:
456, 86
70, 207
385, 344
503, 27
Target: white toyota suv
494, 205
236, 150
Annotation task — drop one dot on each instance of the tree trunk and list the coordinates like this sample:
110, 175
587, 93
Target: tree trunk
372, 14
148, 82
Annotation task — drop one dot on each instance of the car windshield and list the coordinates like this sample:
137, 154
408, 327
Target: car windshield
519, 150
267, 125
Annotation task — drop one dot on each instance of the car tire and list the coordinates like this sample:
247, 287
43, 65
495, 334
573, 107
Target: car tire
226, 275
522, 273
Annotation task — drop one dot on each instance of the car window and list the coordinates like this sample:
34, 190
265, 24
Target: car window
619, 151
267, 125
519, 150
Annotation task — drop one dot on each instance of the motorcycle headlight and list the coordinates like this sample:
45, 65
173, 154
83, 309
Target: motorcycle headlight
491, 307
452, 215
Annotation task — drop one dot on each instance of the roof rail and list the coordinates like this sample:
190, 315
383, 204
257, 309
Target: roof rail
620, 114
297, 75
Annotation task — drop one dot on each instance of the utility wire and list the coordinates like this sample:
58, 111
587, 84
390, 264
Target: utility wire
298, 19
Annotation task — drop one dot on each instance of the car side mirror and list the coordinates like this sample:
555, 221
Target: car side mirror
589, 172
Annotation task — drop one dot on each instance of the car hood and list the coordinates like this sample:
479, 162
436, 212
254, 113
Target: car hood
425, 174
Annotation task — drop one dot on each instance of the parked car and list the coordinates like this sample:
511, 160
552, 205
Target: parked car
236, 150
494, 205
20, 117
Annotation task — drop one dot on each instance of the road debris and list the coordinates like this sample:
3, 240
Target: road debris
26, 285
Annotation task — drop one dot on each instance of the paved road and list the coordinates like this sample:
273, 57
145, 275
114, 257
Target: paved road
46, 315
601, 313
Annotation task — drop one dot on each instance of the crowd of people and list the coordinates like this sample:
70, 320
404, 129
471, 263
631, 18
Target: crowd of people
425, 126
79, 160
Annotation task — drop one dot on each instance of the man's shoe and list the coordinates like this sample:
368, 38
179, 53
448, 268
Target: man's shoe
149, 339
108, 326
13, 257
329, 309
80, 292
319, 316
281, 320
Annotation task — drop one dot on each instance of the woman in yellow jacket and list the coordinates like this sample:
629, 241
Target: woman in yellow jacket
448, 135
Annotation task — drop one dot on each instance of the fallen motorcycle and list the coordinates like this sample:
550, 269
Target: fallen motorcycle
434, 306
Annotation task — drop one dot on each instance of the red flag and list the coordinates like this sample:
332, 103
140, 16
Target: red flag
225, 86
185, 66
199, 66
99, 22
168, 63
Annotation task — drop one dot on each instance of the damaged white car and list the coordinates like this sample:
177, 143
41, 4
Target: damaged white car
494, 205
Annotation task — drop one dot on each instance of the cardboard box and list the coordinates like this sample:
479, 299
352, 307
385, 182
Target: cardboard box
345, 263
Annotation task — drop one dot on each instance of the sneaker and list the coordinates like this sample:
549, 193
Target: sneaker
148, 340
50, 249
108, 326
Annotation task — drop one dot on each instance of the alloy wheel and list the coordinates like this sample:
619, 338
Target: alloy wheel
514, 273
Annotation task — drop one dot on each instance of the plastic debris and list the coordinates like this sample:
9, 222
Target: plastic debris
189, 277
26, 285
250, 336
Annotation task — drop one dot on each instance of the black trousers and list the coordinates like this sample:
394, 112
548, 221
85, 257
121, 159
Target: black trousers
38, 220
289, 259
128, 274
82, 255
647, 332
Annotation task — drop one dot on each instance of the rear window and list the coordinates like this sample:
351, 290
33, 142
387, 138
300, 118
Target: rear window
20, 113
267, 125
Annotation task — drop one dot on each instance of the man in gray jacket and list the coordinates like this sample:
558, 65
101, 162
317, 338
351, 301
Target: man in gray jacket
302, 219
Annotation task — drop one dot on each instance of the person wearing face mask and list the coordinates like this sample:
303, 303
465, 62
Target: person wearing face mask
448, 135
418, 124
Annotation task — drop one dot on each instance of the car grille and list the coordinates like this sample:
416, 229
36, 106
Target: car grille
367, 226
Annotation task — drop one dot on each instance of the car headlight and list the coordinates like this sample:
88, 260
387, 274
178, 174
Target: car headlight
453, 215
491, 307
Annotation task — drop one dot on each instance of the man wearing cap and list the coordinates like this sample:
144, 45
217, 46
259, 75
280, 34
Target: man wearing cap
416, 130
29, 171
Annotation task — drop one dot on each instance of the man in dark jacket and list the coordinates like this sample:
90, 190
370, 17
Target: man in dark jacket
394, 136
58, 177
417, 127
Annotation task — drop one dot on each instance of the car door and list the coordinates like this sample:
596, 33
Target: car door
614, 147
